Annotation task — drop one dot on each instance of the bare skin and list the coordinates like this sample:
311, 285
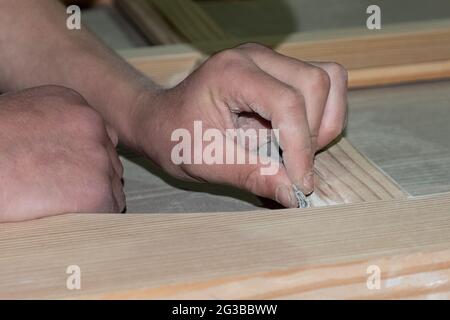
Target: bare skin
56, 156
306, 101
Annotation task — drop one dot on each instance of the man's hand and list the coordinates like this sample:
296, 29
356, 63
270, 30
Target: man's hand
55, 156
250, 86
247, 87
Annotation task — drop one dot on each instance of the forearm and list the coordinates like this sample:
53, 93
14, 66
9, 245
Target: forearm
37, 48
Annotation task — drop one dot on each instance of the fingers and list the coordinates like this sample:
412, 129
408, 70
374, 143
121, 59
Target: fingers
112, 134
274, 100
309, 80
323, 87
267, 179
335, 115
323, 84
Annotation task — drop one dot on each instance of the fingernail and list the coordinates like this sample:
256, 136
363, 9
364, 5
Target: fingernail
308, 183
283, 195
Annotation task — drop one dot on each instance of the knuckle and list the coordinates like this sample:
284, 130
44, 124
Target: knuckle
337, 71
319, 79
67, 108
252, 46
88, 115
292, 99
333, 131
229, 64
88, 121
229, 55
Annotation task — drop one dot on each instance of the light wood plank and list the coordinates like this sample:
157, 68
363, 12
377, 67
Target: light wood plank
404, 130
382, 76
346, 176
406, 276
190, 20
407, 51
144, 255
153, 27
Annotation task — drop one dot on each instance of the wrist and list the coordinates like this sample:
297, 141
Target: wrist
155, 118
125, 110
143, 132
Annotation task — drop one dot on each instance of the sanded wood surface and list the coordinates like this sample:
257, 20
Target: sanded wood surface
189, 19
126, 255
345, 176
404, 130
389, 75
415, 51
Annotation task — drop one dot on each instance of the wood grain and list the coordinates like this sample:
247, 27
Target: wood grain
157, 20
198, 255
404, 130
406, 276
346, 176
153, 27
407, 51
190, 20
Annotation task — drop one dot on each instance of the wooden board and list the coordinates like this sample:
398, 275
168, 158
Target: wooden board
399, 53
405, 276
140, 255
233, 255
404, 130
345, 176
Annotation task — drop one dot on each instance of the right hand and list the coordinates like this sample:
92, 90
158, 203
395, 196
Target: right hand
56, 156
248, 87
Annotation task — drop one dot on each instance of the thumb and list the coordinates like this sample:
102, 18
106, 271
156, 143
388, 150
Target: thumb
261, 175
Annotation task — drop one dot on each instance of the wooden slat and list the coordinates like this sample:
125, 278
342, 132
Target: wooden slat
346, 176
406, 276
403, 52
167, 65
198, 255
153, 27
190, 20
397, 44
157, 20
